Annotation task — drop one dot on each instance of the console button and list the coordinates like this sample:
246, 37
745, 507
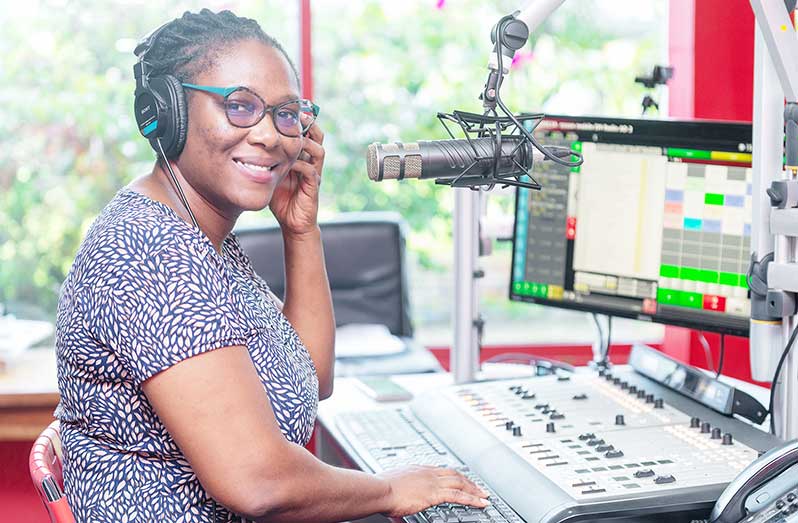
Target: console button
661, 480
645, 473
614, 454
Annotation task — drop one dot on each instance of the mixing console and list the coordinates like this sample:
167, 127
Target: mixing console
593, 446
602, 437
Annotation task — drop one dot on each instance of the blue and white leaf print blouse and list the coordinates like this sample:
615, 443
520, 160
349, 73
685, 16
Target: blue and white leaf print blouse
146, 291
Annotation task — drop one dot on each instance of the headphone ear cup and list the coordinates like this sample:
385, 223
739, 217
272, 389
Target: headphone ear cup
174, 120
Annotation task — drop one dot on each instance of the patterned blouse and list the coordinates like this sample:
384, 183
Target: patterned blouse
145, 292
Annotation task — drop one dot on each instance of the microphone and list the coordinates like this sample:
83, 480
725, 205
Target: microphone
470, 162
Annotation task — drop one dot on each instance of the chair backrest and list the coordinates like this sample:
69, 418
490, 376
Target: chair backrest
47, 474
365, 258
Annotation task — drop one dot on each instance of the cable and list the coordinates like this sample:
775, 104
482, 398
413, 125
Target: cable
606, 356
722, 355
527, 134
179, 189
707, 352
774, 383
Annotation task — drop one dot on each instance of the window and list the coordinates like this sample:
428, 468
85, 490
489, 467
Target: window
382, 70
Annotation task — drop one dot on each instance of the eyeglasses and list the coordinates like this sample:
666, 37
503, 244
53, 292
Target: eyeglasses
244, 108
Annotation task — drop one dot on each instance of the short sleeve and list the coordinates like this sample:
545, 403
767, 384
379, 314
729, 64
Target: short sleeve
164, 308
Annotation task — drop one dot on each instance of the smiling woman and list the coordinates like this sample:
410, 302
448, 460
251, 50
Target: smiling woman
187, 388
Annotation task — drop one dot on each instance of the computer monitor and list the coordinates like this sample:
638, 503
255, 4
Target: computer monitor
654, 225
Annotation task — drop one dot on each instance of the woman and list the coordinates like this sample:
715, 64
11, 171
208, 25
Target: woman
188, 389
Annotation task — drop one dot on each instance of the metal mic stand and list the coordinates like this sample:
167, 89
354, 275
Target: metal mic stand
774, 272
509, 35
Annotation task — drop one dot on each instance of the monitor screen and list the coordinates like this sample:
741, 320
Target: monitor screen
654, 225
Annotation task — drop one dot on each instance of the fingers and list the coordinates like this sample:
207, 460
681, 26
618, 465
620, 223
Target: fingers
307, 171
461, 483
314, 133
463, 498
312, 152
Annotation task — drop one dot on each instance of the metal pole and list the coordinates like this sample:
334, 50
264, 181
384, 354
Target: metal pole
464, 356
765, 337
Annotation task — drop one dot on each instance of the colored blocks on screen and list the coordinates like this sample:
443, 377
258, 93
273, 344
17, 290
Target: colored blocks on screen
693, 300
688, 153
668, 296
689, 273
729, 278
708, 276
669, 271
713, 199
714, 303
692, 224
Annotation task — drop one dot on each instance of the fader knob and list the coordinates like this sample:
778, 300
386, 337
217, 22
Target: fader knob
509, 425
695, 422
517, 431
550, 427
716, 433
705, 426
727, 439
659, 403
619, 420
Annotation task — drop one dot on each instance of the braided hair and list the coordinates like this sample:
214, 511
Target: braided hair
192, 43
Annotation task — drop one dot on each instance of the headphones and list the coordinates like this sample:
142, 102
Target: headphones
160, 104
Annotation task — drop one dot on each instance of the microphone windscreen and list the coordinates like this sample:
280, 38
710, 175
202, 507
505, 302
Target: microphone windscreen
390, 156
372, 167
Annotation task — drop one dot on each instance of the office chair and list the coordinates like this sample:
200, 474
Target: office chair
47, 474
365, 258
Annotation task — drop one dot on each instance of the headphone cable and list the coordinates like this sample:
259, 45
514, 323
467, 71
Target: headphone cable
180, 193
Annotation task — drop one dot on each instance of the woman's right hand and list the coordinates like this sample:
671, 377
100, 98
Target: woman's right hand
415, 488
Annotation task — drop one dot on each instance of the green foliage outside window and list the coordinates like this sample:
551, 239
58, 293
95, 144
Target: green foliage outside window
382, 70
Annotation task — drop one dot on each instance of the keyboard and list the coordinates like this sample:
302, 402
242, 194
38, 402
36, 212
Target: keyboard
393, 438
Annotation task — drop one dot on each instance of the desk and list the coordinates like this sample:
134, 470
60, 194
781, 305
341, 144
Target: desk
28, 395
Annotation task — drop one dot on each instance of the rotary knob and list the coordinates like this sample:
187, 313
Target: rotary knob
550, 427
641, 394
705, 427
632, 389
509, 425
619, 420
695, 422
649, 398
517, 431
659, 403
716, 433
727, 439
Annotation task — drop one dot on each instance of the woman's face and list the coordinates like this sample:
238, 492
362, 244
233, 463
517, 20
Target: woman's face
218, 159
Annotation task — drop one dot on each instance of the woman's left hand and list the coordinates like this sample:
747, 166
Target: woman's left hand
295, 202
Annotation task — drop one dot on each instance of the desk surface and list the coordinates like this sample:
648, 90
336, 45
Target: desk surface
28, 395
